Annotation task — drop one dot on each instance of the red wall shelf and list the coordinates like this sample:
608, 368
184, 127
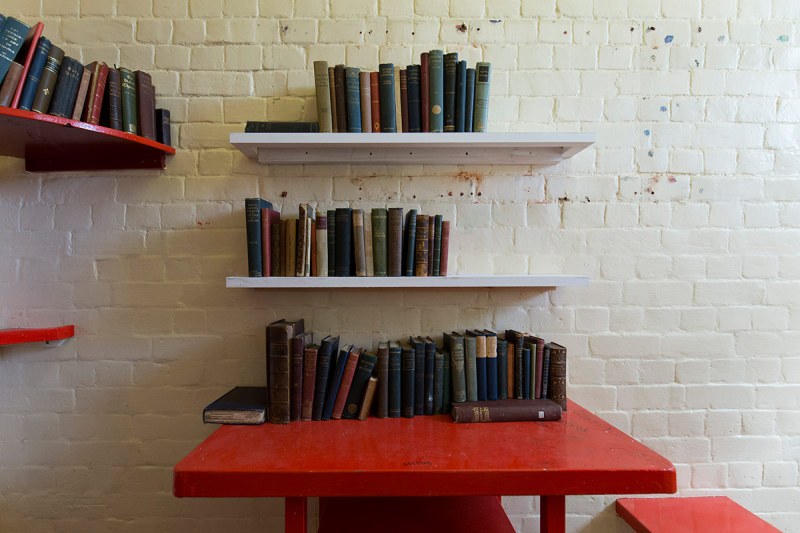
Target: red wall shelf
19, 336
52, 144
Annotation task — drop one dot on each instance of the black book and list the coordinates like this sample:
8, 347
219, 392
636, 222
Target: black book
336, 379
111, 114
414, 97
325, 357
502, 366
254, 126
546, 372
66, 89
163, 132
419, 375
344, 241
461, 95
331, 242
447, 381
395, 380
366, 365
407, 381
382, 390
450, 68
430, 375
438, 382
469, 100
240, 405
410, 240
526, 372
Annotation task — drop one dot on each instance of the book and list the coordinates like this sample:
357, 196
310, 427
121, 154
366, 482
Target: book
279, 347
506, 411
481, 106
130, 115
375, 102
410, 243
12, 36
352, 99
430, 375
34, 73
526, 371
394, 242
297, 373
546, 372
331, 242
557, 385
491, 365
269, 217
311, 266
537, 362
310, 356
322, 245
395, 380
447, 379
454, 345
369, 396
339, 91
445, 253
407, 381
431, 236
421, 246
145, 105
404, 99
326, 360
414, 89
111, 115
332, 98
240, 405
469, 100
275, 246
517, 339
290, 244
386, 82
502, 369
424, 93
44, 91
254, 126
480, 362
66, 89
382, 371
359, 242
450, 68
30, 49
302, 239
323, 92
344, 240
252, 213
437, 245
398, 110
436, 90
353, 357
97, 90
80, 98
366, 102
380, 255
364, 369
163, 133
370, 257
438, 383
335, 380
470, 367
418, 344
461, 95
510, 368
12, 79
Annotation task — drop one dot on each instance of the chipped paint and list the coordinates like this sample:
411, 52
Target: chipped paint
669, 38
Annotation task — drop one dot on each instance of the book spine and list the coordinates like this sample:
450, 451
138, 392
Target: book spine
341, 106
279, 363
436, 90
491, 367
526, 373
410, 243
332, 100
502, 369
276, 265
266, 233
546, 373
382, 393
322, 245
438, 383
311, 268
430, 379
424, 93
344, 240
431, 238
296, 375
413, 81
12, 37
129, 115
114, 99
145, 105
95, 109
404, 98
44, 91
469, 100
447, 379
323, 92
375, 102
558, 376
66, 88
394, 242
386, 81
539, 365
35, 73
506, 411
518, 369
368, 252
471, 369
421, 246
359, 242
366, 102
12, 80
302, 237
445, 253
437, 245
252, 212
335, 382
395, 382
163, 133
407, 380
457, 362
510, 367
419, 378
366, 364
324, 364
369, 397
257, 126
379, 252
310, 354
450, 68
461, 95
352, 99
331, 242
344, 386
398, 109
481, 108
290, 267
480, 360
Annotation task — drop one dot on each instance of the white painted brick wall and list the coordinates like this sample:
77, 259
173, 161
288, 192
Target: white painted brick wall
685, 214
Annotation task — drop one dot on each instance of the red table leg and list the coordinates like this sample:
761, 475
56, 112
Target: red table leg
295, 515
553, 514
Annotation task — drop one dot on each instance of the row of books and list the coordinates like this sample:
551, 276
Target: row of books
344, 242
308, 381
35, 75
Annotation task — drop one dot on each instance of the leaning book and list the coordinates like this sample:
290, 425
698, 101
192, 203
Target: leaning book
240, 405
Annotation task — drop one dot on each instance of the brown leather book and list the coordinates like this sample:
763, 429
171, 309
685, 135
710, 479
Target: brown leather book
359, 242
506, 411
445, 247
10, 83
537, 369
80, 98
341, 112
375, 102
404, 98
280, 335
291, 246
424, 97
297, 373
269, 218
557, 382
302, 235
332, 88
395, 241
369, 397
309, 380
366, 101
382, 410
421, 247
146, 105
97, 91
313, 254
430, 245
347, 380
512, 351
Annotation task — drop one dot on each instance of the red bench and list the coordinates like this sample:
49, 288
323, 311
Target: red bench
666, 515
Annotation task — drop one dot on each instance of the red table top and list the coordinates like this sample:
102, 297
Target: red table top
423, 456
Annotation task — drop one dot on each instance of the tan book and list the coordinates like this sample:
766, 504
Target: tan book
359, 242
291, 246
83, 90
322, 245
332, 90
369, 397
321, 81
397, 99
366, 102
368, 245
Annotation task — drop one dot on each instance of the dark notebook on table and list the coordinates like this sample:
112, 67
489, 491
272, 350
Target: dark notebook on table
240, 405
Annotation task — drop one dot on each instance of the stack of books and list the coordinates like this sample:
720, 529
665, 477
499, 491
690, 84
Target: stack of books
344, 242
35, 75
440, 94
465, 375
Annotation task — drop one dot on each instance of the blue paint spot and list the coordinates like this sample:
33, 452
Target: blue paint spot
663, 109
669, 38
647, 133
784, 38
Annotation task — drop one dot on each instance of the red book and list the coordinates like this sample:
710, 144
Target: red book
445, 247
97, 90
404, 98
376, 102
268, 218
347, 380
424, 88
309, 380
25, 57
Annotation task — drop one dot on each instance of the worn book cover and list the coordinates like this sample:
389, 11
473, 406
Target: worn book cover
507, 411
240, 405
280, 356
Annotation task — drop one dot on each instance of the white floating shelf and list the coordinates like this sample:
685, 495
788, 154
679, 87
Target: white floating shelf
403, 148
465, 281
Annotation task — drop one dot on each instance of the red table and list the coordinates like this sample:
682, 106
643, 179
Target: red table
423, 456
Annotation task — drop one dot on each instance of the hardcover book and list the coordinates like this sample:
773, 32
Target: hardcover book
97, 90
352, 99
394, 240
507, 411
395, 380
404, 99
430, 375
379, 240
80, 98
369, 396
517, 339
44, 91
419, 374
375, 102
130, 115
326, 360
410, 242
335, 380
240, 405
66, 89
421, 246
470, 367
502, 369
480, 361
491, 365
358, 388
13, 33
322, 245
424, 92
450, 68
163, 133
35, 73
145, 105
10, 83
382, 409
437, 245
359, 242
112, 108
323, 96
386, 81
346, 384
368, 253
557, 385
537, 360
331, 242
447, 378
414, 89
445, 253
279, 359
30, 49
469, 100
297, 373
526, 371
310, 355
454, 345
366, 102
461, 95
344, 240
341, 98
332, 90
252, 212
481, 106
407, 381
436, 90
398, 115
431, 238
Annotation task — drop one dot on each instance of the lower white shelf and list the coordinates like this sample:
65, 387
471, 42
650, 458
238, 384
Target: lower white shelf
460, 281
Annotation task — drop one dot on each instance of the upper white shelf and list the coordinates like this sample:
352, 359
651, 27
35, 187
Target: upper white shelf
460, 281
402, 148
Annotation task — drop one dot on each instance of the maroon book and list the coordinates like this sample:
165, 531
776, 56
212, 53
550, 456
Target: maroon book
404, 98
424, 87
341, 112
431, 240
97, 90
507, 411
268, 218
309, 380
445, 247
375, 98
347, 380
146, 105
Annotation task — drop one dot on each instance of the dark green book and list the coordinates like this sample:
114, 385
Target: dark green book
413, 89
129, 114
382, 390
44, 91
437, 245
407, 381
438, 382
386, 93
436, 90
352, 99
326, 357
395, 380
450, 68
502, 366
471, 367
331, 242
12, 37
469, 100
66, 89
461, 95
252, 213
410, 242
380, 254
254, 126
344, 241
366, 365
430, 375
419, 374
480, 119
447, 389
454, 345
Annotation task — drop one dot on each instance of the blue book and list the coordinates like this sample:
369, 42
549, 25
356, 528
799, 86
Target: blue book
436, 90
483, 76
252, 213
386, 94
491, 365
352, 99
395, 355
333, 386
12, 36
34, 74
438, 383
326, 359
526, 372
461, 95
